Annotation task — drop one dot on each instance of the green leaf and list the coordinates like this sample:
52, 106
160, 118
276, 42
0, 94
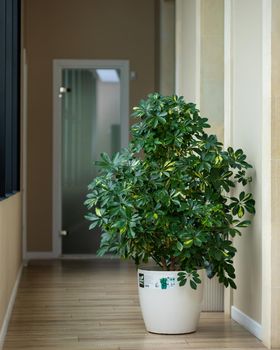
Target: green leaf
197, 242
181, 274
97, 211
193, 284
91, 217
244, 223
182, 283
240, 212
197, 279
180, 246
231, 283
188, 243
93, 225
218, 255
250, 209
101, 251
242, 195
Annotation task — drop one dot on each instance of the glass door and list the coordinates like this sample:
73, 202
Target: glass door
91, 124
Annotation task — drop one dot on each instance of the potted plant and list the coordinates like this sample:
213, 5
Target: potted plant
168, 197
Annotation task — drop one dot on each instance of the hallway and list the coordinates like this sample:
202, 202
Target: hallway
94, 305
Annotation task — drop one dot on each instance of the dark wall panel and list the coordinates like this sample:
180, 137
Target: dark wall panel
9, 97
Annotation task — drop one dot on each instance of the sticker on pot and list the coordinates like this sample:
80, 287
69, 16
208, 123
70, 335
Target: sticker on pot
150, 281
141, 280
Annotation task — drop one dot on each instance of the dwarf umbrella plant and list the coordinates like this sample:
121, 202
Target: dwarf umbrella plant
167, 197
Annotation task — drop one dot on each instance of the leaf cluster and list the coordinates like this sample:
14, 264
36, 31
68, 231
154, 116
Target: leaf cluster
174, 203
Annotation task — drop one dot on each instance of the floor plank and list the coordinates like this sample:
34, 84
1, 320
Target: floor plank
94, 305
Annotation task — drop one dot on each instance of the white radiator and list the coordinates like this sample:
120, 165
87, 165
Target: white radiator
213, 297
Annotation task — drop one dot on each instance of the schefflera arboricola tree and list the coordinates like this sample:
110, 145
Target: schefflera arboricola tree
167, 196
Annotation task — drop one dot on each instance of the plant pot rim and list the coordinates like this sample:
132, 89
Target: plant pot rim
157, 269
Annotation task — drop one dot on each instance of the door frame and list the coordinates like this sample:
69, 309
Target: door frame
58, 66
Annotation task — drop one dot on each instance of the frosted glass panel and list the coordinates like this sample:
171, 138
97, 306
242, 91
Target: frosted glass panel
90, 125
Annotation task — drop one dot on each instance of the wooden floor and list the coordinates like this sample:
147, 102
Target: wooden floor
94, 305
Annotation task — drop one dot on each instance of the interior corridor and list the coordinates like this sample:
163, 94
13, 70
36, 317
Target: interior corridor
94, 305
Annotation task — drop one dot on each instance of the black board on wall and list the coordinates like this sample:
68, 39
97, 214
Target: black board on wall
9, 97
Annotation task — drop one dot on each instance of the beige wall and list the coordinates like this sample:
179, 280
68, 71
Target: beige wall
247, 124
212, 64
247, 133
212, 98
187, 49
275, 138
167, 47
87, 29
10, 248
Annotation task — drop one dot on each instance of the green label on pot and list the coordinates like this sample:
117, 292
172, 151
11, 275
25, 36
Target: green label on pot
151, 281
141, 280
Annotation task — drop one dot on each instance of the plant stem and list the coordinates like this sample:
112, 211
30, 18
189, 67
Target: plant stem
155, 259
172, 264
164, 265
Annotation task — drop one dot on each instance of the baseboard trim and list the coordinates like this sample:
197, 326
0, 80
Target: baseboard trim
247, 322
8, 314
87, 256
40, 255
52, 255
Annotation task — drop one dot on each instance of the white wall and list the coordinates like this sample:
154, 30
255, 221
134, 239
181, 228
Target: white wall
194, 18
250, 130
275, 176
247, 121
247, 134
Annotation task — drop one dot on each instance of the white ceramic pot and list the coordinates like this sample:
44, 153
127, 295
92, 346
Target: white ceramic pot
166, 307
